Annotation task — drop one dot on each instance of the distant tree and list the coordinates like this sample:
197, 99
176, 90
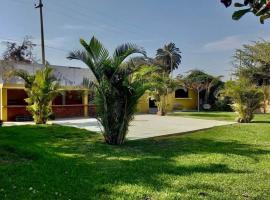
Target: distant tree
201, 81
260, 8
19, 52
41, 89
253, 62
168, 57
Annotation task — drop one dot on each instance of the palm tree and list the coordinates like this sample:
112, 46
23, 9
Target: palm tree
246, 97
41, 89
160, 86
170, 57
117, 93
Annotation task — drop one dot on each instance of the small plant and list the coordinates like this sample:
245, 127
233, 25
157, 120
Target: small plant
246, 97
160, 86
1, 122
41, 89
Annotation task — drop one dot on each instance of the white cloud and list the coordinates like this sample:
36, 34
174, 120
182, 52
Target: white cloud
225, 44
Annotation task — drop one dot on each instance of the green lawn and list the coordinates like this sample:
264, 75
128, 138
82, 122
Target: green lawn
53, 162
223, 116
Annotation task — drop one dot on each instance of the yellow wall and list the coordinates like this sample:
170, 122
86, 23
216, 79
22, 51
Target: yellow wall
143, 105
3, 98
189, 103
3, 104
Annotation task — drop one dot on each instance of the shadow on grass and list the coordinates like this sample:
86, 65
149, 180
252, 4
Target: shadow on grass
260, 122
76, 160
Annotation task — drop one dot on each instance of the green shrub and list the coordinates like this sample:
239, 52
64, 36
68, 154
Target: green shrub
41, 89
246, 97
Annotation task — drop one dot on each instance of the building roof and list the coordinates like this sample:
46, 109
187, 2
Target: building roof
67, 76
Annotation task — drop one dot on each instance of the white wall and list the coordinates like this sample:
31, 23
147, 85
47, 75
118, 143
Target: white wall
68, 76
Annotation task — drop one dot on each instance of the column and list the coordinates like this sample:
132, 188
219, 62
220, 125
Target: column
3, 104
85, 103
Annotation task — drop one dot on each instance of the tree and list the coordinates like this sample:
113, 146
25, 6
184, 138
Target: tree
169, 57
117, 93
41, 89
201, 81
160, 86
247, 98
266, 96
260, 8
20, 53
253, 62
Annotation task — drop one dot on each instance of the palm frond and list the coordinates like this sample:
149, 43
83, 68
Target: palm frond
28, 78
125, 50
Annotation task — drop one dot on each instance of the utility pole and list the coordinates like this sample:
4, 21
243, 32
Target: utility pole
40, 6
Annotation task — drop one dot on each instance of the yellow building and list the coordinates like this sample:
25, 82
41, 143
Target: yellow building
73, 101
180, 99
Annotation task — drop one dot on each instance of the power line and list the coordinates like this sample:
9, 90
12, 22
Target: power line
84, 15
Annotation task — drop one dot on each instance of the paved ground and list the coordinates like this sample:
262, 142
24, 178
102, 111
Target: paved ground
145, 126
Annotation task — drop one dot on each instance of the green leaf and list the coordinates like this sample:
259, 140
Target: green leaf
240, 13
264, 17
238, 5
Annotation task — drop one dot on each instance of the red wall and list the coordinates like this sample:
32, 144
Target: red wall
68, 111
17, 105
14, 111
16, 97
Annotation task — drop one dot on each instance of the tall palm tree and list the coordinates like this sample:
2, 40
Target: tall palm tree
170, 57
117, 93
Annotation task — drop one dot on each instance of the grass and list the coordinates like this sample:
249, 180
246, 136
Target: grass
222, 116
54, 162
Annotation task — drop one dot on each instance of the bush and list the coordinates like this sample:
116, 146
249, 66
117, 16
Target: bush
41, 89
223, 104
246, 97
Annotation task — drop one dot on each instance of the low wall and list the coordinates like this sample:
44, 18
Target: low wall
60, 111
66, 111
14, 111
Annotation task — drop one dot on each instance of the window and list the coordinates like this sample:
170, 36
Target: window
181, 93
16, 97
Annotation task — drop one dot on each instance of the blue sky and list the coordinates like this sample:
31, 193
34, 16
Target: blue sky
203, 30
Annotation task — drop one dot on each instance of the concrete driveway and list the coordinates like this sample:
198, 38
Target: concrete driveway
146, 126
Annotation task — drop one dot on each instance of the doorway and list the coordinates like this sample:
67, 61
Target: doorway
153, 109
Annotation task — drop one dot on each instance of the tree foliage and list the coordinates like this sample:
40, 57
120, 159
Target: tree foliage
41, 89
253, 62
266, 96
160, 87
117, 93
168, 57
19, 52
260, 8
201, 81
